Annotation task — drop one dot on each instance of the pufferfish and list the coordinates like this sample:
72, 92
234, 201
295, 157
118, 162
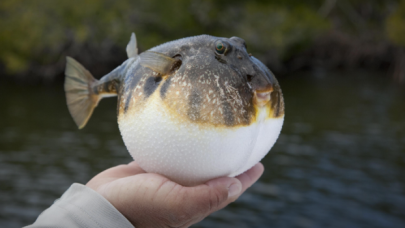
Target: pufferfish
192, 109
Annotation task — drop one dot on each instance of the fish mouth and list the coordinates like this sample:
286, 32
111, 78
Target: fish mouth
262, 97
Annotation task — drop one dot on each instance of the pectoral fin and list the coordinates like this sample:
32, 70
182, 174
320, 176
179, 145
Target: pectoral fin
158, 62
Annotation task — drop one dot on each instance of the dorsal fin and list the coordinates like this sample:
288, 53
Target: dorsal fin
132, 49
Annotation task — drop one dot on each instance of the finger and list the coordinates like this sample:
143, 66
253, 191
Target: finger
134, 164
115, 173
121, 171
235, 186
226, 190
249, 177
204, 199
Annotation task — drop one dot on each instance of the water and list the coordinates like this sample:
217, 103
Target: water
339, 162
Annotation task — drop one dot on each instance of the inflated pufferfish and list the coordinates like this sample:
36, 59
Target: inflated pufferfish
191, 109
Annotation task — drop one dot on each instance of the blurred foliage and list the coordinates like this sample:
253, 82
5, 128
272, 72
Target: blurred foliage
38, 31
41, 32
396, 25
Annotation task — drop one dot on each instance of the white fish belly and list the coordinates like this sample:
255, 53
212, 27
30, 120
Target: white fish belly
268, 132
190, 154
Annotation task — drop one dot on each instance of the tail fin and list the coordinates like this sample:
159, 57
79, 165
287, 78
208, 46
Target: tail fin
81, 99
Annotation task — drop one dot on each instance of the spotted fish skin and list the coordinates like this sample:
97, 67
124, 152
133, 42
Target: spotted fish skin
205, 88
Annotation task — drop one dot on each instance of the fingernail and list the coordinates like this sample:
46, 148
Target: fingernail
233, 189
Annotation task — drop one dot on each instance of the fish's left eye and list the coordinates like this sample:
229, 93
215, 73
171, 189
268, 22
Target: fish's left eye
220, 47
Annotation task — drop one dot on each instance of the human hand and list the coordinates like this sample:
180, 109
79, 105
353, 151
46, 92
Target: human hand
152, 200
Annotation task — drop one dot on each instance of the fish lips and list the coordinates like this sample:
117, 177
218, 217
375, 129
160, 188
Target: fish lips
261, 83
262, 97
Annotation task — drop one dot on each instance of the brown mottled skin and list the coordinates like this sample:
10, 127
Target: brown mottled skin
202, 86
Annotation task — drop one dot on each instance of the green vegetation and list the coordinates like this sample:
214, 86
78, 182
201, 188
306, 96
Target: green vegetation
40, 33
396, 25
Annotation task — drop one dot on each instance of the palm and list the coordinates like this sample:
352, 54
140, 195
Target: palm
152, 200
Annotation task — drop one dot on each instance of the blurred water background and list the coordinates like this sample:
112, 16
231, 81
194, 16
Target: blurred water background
339, 161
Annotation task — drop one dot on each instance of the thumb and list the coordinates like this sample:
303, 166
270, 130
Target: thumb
189, 205
229, 188
222, 191
218, 193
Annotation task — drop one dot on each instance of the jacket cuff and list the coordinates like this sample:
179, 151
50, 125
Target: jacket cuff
81, 206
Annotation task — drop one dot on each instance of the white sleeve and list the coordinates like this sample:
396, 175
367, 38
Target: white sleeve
81, 206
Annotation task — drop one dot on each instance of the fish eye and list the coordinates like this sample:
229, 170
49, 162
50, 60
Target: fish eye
220, 47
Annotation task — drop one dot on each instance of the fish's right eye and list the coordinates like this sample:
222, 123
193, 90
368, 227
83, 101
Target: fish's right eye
220, 47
